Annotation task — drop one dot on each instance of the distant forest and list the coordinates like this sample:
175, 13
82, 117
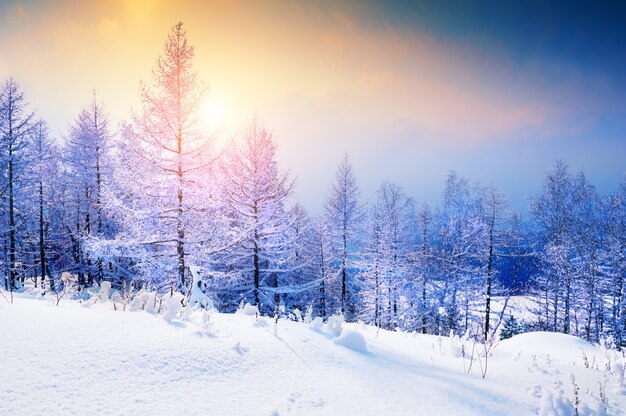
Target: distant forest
145, 205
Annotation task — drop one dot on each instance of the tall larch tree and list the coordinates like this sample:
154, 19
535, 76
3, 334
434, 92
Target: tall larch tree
345, 215
16, 125
45, 168
256, 191
495, 215
172, 142
552, 210
87, 167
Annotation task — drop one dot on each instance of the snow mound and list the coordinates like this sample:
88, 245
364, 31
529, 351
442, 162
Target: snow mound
174, 305
351, 339
560, 346
105, 290
317, 324
334, 325
250, 310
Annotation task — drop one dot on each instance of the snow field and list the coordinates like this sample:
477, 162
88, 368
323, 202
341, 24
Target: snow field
70, 360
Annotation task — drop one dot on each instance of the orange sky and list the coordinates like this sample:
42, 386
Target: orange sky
254, 57
316, 72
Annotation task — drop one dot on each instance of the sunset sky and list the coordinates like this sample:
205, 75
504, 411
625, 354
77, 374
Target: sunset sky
410, 90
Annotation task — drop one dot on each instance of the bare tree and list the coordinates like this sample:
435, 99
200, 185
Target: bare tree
495, 213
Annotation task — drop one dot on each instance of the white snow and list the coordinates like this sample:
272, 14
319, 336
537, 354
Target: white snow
66, 360
105, 289
174, 306
197, 297
250, 310
351, 339
561, 346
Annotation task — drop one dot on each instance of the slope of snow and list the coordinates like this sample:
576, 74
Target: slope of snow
561, 346
72, 359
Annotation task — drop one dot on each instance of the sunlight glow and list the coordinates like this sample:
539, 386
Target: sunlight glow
213, 112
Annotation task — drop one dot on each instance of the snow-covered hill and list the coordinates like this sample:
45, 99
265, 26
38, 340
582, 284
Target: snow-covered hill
71, 359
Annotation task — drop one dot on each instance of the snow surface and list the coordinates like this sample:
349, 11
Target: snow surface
70, 359
352, 339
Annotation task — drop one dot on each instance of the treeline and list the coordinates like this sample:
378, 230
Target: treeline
141, 205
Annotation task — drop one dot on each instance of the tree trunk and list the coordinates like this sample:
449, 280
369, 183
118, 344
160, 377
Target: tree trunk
424, 322
180, 242
42, 249
343, 273
99, 206
12, 273
489, 268
255, 259
322, 286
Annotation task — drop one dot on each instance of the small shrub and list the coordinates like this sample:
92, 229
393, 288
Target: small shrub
511, 328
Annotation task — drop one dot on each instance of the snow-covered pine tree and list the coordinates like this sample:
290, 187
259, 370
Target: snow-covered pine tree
345, 214
589, 272
460, 242
45, 157
256, 191
299, 283
396, 215
510, 328
616, 261
325, 303
423, 258
87, 171
169, 150
372, 268
552, 212
16, 125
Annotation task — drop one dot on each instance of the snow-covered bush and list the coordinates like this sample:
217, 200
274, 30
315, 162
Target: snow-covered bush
68, 284
248, 309
308, 317
174, 305
316, 324
197, 297
105, 289
151, 303
297, 314
334, 325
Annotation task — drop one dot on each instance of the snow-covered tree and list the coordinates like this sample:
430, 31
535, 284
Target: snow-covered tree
615, 252
87, 173
460, 242
45, 169
16, 125
396, 216
322, 262
424, 258
256, 191
552, 210
170, 151
373, 268
495, 219
300, 282
345, 214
